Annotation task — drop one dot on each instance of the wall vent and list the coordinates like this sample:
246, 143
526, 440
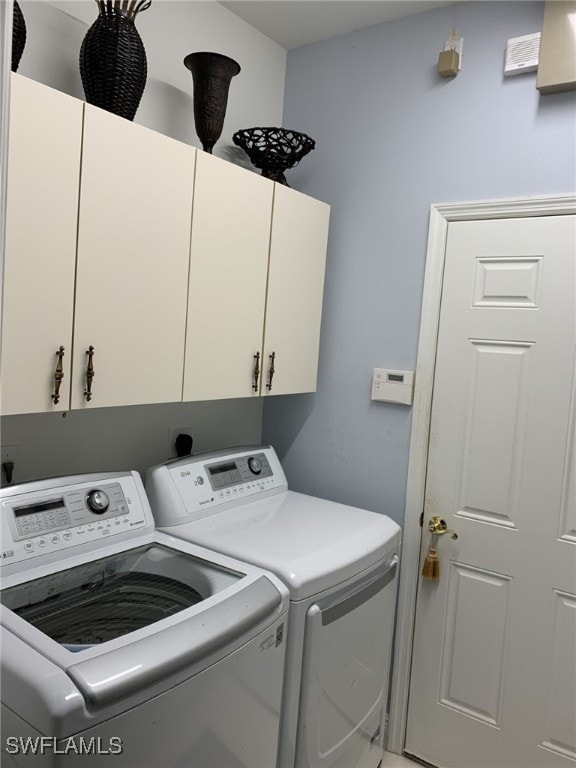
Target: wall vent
522, 54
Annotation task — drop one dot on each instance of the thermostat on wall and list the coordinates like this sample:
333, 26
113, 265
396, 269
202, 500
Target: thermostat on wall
393, 386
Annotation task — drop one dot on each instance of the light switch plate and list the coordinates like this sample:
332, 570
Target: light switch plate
393, 386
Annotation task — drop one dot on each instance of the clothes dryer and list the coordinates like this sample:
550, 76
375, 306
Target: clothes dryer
126, 647
339, 563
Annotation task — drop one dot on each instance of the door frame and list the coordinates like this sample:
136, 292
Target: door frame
441, 215
6, 15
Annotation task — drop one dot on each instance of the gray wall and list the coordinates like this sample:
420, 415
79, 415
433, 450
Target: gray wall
136, 437
393, 138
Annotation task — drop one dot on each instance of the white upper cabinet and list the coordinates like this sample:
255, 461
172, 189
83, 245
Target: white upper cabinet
295, 288
140, 270
227, 291
41, 219
256, 283
132, 271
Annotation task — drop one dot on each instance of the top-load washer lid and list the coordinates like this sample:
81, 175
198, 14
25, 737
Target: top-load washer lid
107, 598
312, 544
134, 618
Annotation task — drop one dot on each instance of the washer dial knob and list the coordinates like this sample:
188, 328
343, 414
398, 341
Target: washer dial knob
97, 501
254, 465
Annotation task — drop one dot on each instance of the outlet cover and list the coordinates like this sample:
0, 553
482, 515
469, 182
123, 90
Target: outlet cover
455, 44
172, 435
10, 453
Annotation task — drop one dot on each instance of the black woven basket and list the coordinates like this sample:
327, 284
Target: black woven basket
18, 36
274, 150
113, 64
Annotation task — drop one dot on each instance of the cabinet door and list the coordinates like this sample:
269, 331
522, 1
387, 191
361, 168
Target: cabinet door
41, 216
295, 289
229, 258
132, 270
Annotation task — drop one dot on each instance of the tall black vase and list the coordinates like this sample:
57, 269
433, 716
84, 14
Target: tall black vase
211, 76
18, 36
113, 64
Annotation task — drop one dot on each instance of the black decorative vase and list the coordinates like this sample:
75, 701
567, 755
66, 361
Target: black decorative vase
18, 36
211, 76
113, 64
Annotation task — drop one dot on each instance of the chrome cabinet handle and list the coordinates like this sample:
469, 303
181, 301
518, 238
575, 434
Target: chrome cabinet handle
271, 371
256, 371
58, 376
89, 374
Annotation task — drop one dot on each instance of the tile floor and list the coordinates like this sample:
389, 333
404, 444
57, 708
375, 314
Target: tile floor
390, 760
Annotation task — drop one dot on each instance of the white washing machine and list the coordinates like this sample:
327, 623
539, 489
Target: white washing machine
340, 565
125, 647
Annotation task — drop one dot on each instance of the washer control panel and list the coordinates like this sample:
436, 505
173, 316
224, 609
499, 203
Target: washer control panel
36, 522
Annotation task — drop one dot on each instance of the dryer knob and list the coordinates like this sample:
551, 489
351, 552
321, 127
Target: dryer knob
254, 465
97, 502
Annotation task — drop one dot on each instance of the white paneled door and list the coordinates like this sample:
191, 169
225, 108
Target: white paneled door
493, 680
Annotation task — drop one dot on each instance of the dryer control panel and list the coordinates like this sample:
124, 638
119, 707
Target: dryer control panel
240, 471
196, 486
52, 515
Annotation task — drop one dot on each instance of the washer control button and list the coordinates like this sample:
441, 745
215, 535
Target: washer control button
254, 465
97, 501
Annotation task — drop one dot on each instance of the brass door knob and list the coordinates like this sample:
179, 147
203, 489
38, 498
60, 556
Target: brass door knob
439, 526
